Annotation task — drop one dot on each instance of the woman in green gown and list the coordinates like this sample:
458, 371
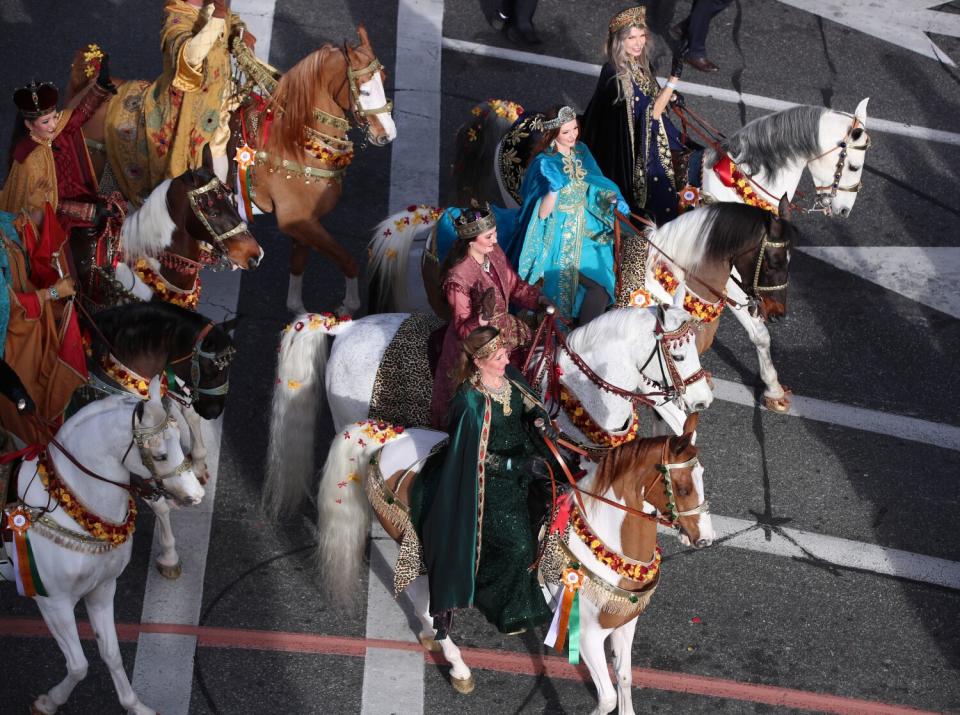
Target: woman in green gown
477, 534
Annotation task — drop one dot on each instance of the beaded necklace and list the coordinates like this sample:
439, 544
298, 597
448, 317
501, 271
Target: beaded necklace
501, 394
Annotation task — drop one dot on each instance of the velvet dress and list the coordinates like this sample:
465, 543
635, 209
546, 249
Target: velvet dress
470, 511
631, 147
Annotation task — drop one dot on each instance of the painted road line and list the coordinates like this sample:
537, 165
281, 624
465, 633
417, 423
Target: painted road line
164, 664
917, 272
794, 543
515, 663
414, 178
415, 163
910, 428
694, 90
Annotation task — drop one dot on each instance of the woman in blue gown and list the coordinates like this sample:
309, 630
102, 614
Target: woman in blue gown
565, 232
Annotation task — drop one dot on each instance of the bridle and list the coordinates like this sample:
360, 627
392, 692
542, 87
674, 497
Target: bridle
677, 385
824, 201
755, 288
221, 360
151, 488
361, 115
217, 252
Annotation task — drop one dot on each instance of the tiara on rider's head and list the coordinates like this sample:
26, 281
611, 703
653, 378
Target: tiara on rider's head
473, 221
632, 17
566, 114
488, 348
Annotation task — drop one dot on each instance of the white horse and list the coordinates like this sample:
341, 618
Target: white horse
698, 243
77, 550
371, 464
642, 351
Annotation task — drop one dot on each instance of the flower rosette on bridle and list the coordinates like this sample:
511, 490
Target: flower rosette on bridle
566, 617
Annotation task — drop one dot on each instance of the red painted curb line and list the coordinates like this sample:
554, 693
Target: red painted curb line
500, 661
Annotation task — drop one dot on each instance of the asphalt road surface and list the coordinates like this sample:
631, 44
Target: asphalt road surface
866, 621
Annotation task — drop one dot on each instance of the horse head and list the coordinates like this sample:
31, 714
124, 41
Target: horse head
367, 78
210, 369
838, 170
209, 229
679, 493
674, 366
159, 456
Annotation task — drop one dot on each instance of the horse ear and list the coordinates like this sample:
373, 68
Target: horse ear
861, 111
679, 295
207, 158
784, 208
362, 35
678, 445
690, 425
154, 390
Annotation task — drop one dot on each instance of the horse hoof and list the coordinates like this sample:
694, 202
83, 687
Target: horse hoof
43, 705
171, 572
464, 686
779, 404
430, 644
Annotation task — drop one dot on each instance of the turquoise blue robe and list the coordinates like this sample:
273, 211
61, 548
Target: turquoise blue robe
577, 236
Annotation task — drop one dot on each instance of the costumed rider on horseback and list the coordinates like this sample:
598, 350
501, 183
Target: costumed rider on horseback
478, 285
160, 128
49, 163
473, 519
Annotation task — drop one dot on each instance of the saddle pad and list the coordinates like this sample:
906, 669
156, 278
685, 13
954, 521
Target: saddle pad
404, 382
633, 266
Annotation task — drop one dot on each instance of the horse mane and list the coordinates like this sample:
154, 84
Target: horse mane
151, 328
622, 321
293, 101
626, 459
711, 233
149, 229
769, 143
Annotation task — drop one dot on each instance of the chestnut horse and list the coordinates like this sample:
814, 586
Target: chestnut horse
292, 148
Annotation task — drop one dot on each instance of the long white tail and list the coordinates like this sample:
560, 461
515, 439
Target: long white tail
297, 396
343, 514
389, 255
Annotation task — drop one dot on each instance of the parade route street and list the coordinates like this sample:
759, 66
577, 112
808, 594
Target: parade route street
835, 585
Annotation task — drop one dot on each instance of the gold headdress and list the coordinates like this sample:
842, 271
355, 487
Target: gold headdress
473, 221
633, 17
488, 348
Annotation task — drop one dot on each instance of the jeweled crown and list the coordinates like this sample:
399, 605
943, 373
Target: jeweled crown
473, 221
566, 114
36, 99
632, 17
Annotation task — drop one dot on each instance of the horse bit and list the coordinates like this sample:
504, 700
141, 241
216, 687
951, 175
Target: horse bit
195, 197
824, 201
221, 360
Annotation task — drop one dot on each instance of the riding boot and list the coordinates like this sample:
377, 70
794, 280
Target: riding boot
594, 303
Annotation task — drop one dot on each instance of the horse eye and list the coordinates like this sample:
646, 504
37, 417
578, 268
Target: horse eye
162, 457
678, 357
682, 491
856, 133
853, 168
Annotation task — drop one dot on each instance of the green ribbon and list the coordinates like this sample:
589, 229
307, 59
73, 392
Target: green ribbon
573, 630
35, 572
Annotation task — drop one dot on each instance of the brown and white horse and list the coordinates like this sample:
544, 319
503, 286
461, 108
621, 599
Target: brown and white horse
292, 150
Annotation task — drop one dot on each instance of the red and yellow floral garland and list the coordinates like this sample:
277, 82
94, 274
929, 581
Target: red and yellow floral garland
591, 430
337, 160
97, 527
731, 176
128, 379
700, 309
621, 565
164, 290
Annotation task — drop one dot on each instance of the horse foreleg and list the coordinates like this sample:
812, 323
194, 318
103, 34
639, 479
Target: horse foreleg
310, 233
60, 619
168, 562
621, 643
100, 610
196, 449
460, 676
591, 649
775, 396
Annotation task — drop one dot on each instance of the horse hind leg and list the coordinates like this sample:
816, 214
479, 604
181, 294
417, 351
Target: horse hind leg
168, 561
621, 643
100, 609
312, 234
460, 676
60, 619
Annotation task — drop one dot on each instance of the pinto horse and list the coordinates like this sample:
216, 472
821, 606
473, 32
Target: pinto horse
185, 224
292, 150
608, 546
